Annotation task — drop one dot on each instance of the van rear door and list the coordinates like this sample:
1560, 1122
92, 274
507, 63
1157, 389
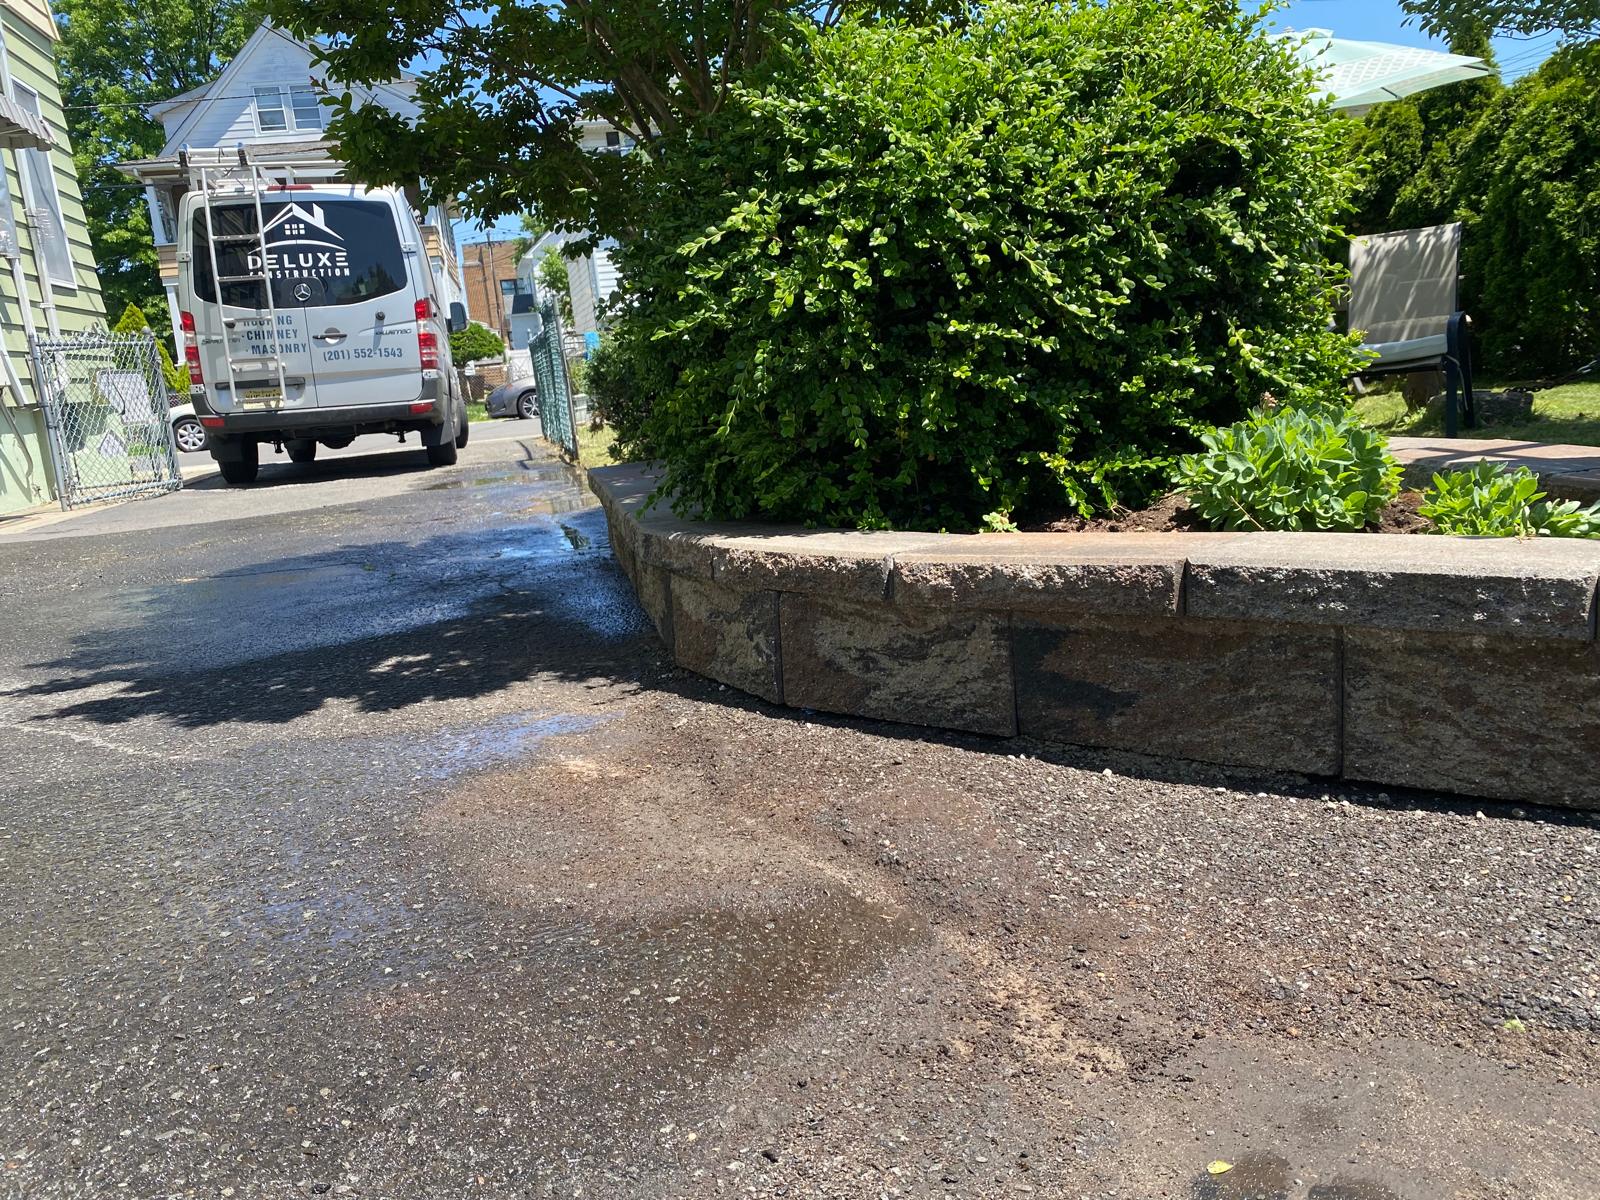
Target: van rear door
344, 253
232, 321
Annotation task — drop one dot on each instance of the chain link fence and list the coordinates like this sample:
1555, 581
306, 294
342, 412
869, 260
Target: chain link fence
105, 406
547, 348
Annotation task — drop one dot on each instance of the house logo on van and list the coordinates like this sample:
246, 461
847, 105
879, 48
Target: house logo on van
302, 245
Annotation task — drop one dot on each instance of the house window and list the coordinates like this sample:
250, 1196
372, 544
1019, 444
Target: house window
269, 109
307, 109
613, 139
275, 111
508, 289
166, 222
44, 203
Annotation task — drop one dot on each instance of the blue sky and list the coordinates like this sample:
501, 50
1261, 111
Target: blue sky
1385, 21
1366, 20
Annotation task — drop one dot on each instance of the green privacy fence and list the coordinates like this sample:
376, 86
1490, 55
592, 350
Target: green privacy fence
547, 351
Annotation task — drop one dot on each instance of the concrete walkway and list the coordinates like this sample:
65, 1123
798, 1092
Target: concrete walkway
1569, 471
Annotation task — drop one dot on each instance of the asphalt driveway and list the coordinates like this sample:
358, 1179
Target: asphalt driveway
358, 839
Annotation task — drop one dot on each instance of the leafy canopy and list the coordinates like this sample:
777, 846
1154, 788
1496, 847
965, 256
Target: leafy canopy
116, 58
1577, 19
505, 85
474, 342
934, 277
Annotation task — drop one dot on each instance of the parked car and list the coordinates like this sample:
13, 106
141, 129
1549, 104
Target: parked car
315, 326
187, 432
516, 398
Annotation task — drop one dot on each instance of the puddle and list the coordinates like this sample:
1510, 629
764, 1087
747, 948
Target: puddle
1269, 1177
739, 973
501, 740
212, 586
676, 1000
1355, 1189
1253, 1177
529, 474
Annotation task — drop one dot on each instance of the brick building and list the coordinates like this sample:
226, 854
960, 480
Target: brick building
489, 271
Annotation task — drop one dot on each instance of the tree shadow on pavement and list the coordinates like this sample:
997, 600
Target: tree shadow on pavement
453, 617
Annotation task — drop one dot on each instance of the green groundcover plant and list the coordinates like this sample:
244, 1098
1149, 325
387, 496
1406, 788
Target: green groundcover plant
1492, 500
954, 275
1291, 469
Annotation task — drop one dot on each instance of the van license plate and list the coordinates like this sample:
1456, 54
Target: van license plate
260, 395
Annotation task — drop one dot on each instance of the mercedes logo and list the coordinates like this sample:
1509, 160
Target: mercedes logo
302, 292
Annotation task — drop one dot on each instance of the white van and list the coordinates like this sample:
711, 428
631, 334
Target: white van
310, 315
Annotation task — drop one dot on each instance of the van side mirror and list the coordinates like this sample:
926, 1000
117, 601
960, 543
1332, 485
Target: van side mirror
458, 317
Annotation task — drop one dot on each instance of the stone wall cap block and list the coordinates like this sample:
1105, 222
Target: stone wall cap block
1128, 583
1537, 588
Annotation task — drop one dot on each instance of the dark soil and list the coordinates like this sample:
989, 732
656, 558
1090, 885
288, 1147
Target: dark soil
1172, 514
1401, 515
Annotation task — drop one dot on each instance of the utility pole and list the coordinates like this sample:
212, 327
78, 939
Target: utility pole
491, 285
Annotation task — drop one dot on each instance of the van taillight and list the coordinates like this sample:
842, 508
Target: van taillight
191, 352
427, 340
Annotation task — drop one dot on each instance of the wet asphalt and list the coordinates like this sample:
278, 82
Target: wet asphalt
230, 965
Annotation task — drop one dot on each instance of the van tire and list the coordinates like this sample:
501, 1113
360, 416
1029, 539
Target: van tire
301, 450
442, 455
242, 471
466, 430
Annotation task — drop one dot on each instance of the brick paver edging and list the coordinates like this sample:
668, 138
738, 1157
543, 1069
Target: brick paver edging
1456, 664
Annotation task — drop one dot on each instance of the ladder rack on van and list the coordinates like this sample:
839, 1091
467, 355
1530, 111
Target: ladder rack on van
218, 178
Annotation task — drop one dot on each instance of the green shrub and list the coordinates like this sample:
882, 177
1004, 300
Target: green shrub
1492, 500
1291, 469
474, 342
942, 276
133, 320
617, 396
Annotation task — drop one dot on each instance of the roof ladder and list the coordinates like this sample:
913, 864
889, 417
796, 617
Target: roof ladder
231, 181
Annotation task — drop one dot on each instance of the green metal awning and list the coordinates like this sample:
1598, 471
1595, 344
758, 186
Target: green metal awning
21, 129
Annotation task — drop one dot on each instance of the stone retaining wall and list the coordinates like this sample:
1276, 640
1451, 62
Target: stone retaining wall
1461, 665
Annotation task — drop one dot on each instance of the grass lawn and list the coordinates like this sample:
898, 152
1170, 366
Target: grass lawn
476, 412
594, 446
1568, 414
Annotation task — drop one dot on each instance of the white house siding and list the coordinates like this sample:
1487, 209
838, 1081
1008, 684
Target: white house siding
592, 280
226, 116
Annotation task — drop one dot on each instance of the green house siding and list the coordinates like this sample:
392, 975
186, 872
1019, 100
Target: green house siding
24, 463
